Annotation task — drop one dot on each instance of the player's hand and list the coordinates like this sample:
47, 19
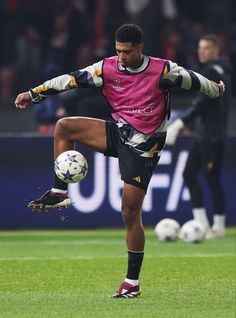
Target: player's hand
173, 130
23, 100
221, 86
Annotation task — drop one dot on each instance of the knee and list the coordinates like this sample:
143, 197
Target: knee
62, 126
130, 215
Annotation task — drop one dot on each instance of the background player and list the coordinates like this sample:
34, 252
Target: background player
207, 151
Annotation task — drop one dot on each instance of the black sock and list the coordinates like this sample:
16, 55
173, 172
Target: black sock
59, 184
135, 260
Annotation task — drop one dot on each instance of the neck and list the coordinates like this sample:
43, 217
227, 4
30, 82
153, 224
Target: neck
137, 63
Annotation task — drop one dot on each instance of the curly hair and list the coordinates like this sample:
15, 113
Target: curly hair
129, 33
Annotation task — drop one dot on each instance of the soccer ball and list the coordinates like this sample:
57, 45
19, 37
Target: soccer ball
192, 232
71, 166
167, 230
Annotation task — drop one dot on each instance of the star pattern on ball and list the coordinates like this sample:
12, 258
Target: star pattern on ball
83, 169
72, 158
68, 175
56, 165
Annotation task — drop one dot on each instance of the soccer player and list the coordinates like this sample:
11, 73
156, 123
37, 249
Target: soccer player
207, 150
136, 87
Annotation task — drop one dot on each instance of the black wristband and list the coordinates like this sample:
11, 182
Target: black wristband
35, 96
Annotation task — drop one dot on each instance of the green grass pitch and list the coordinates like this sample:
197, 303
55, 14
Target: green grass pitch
74, 273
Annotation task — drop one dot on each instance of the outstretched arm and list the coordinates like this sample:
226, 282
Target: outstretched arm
87, 77
183, 78
178, 76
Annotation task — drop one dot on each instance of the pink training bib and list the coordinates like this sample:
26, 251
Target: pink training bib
136, 97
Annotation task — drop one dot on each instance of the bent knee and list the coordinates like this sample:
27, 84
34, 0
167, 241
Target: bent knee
64, 127
63, 124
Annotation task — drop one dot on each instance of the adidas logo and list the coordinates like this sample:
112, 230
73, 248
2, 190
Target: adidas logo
138, 179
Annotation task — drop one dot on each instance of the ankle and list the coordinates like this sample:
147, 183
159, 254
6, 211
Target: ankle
133, 282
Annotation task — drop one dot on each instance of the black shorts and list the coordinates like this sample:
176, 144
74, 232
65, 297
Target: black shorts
134, 169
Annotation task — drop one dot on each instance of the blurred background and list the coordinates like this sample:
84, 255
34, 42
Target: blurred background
41, 39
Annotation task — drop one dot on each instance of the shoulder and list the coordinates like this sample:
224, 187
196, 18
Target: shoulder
110, 59
157, 60
157, 64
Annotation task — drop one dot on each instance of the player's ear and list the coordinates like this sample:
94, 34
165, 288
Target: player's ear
141, 46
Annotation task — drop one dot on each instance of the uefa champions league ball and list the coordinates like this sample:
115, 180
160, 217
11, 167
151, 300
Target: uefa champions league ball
167, 230
192, 232
71, 166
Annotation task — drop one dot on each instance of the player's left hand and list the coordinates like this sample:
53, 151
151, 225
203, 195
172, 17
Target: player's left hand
221, 86
23, 100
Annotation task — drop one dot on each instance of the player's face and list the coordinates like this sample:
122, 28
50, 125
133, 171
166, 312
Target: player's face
207, 51
129, 55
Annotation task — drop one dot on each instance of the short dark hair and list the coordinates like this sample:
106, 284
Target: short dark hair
214, 39
129, 33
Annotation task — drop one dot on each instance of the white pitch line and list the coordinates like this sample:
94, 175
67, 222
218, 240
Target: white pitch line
36, 258
60, 242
